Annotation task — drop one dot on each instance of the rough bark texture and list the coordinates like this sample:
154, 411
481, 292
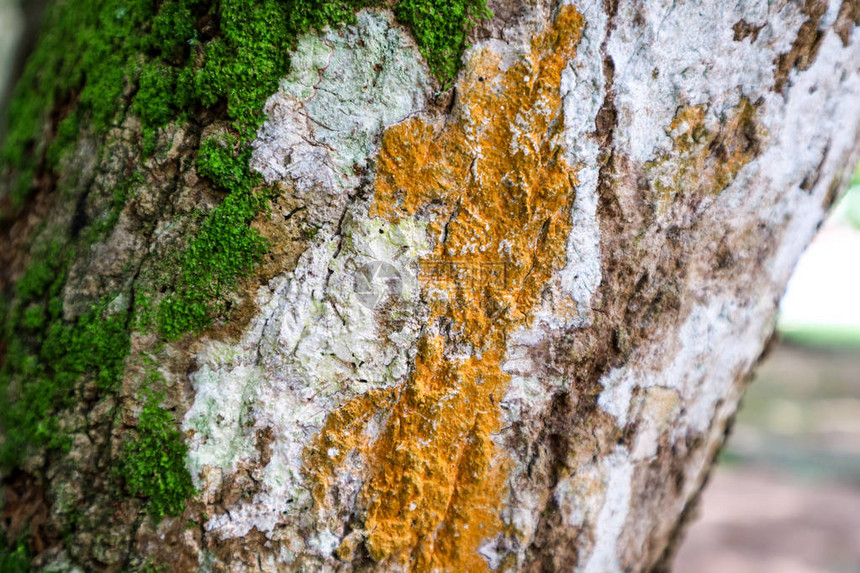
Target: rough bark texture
499, 326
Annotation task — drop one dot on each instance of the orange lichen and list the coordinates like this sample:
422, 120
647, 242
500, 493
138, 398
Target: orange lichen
703, 161
500, 189
342, 433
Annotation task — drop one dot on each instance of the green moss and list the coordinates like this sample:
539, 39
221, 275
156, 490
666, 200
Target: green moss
441, 28
48, 358
164, 61
173, 31
225, 248
155, 103
34, 317
83, 59
92, 50
41, 384
153, 462
150, 566
96, 344
36, 279
15, 558
67, 134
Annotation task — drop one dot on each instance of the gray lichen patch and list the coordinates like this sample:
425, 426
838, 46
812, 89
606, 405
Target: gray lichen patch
684, 68
344, 87
313, 345
313, 341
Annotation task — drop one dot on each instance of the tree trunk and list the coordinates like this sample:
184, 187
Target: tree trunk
313, 286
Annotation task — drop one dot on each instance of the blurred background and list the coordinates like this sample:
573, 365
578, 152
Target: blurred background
785, 496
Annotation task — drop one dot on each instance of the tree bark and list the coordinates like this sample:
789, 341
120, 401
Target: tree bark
498, 324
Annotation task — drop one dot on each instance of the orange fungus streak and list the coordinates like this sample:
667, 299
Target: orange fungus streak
495, 185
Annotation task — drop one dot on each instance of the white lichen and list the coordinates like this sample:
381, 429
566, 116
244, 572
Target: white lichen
345, 86
312, 347
668, 54
316, 342
583, 87
618, 471
596, 498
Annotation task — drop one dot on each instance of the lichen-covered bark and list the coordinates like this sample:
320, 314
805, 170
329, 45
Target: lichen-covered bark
578, 248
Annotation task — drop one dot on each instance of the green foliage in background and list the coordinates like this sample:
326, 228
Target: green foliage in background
848, 208
823, 334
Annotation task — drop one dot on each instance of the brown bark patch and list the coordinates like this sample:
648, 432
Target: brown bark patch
16, 234
173, 546
847, 19
250, 548
27, 512
703, 161
287, 227
744, 30
805, 46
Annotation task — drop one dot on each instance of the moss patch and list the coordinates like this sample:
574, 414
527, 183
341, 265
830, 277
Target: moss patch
43, 371
174, 61
225, 248
82, 62
441, 28
15, 558
153, 462
48, 359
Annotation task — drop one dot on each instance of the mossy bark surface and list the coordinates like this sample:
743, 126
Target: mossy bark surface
437, 285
